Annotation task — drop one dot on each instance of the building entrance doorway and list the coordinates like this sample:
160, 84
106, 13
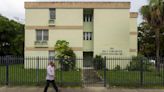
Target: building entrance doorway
88, 58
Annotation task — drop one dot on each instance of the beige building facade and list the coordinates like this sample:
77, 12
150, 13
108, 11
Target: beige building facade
91, 28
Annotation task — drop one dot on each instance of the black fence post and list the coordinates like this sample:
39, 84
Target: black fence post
7, 70
141, 71
61, 74
104, 71
163, 70
37, 71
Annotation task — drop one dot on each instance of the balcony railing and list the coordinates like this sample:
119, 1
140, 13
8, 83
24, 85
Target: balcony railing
41, 43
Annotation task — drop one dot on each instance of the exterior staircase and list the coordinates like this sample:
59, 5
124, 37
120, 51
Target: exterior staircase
91, 77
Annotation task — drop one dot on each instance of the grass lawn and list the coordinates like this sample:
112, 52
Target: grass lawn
20, 76
132, 78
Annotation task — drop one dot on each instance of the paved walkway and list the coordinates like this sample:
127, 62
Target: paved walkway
88, 89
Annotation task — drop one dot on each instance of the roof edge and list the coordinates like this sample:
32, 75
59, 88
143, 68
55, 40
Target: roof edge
110, 5
133, 14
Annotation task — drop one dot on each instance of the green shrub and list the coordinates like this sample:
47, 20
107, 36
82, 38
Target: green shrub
118, 67
135, 64
98, 62
66, 55
69, 61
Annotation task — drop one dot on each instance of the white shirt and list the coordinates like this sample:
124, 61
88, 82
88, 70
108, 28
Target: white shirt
50, 73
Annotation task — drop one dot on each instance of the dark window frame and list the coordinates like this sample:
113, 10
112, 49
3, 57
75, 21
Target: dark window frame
52, 13
43, 36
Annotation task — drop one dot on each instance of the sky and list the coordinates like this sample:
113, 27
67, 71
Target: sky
14, 9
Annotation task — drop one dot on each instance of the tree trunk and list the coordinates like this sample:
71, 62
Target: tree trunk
157, 34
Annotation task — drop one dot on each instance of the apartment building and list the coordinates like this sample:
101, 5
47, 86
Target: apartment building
91, 28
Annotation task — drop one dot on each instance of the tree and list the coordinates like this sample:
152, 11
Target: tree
146, 39
11, 37
65, 54
153, 14
18, 40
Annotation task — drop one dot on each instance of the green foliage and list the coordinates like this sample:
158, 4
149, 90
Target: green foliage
146, 40
11, 37
153, 14
118, 67
137, 65
65, 54
98, 62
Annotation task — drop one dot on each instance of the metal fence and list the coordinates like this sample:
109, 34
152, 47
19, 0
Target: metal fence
111, 71
135, 72
32, 71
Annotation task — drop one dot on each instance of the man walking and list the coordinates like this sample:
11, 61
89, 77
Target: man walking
50, 77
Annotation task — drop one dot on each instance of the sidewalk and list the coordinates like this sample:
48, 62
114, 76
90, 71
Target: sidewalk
88, 89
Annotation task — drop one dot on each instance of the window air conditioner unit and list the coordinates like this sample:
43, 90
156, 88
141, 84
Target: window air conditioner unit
51, 22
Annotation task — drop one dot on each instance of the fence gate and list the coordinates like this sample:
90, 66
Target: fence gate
94, 71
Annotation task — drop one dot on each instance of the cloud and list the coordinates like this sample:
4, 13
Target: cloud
12, 8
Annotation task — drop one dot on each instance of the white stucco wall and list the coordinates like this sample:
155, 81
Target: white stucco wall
133, 38
73, 17
74, 37
111, 30
36, 17
64, 17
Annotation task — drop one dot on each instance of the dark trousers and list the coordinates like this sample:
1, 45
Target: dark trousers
53, 83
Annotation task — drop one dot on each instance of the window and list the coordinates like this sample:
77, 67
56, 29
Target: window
51, 55
42, 35
87, 18
87, 35
88, 15
52, 13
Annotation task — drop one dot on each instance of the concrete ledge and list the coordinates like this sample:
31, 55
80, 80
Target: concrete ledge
50, 48
133, 14
109, 5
